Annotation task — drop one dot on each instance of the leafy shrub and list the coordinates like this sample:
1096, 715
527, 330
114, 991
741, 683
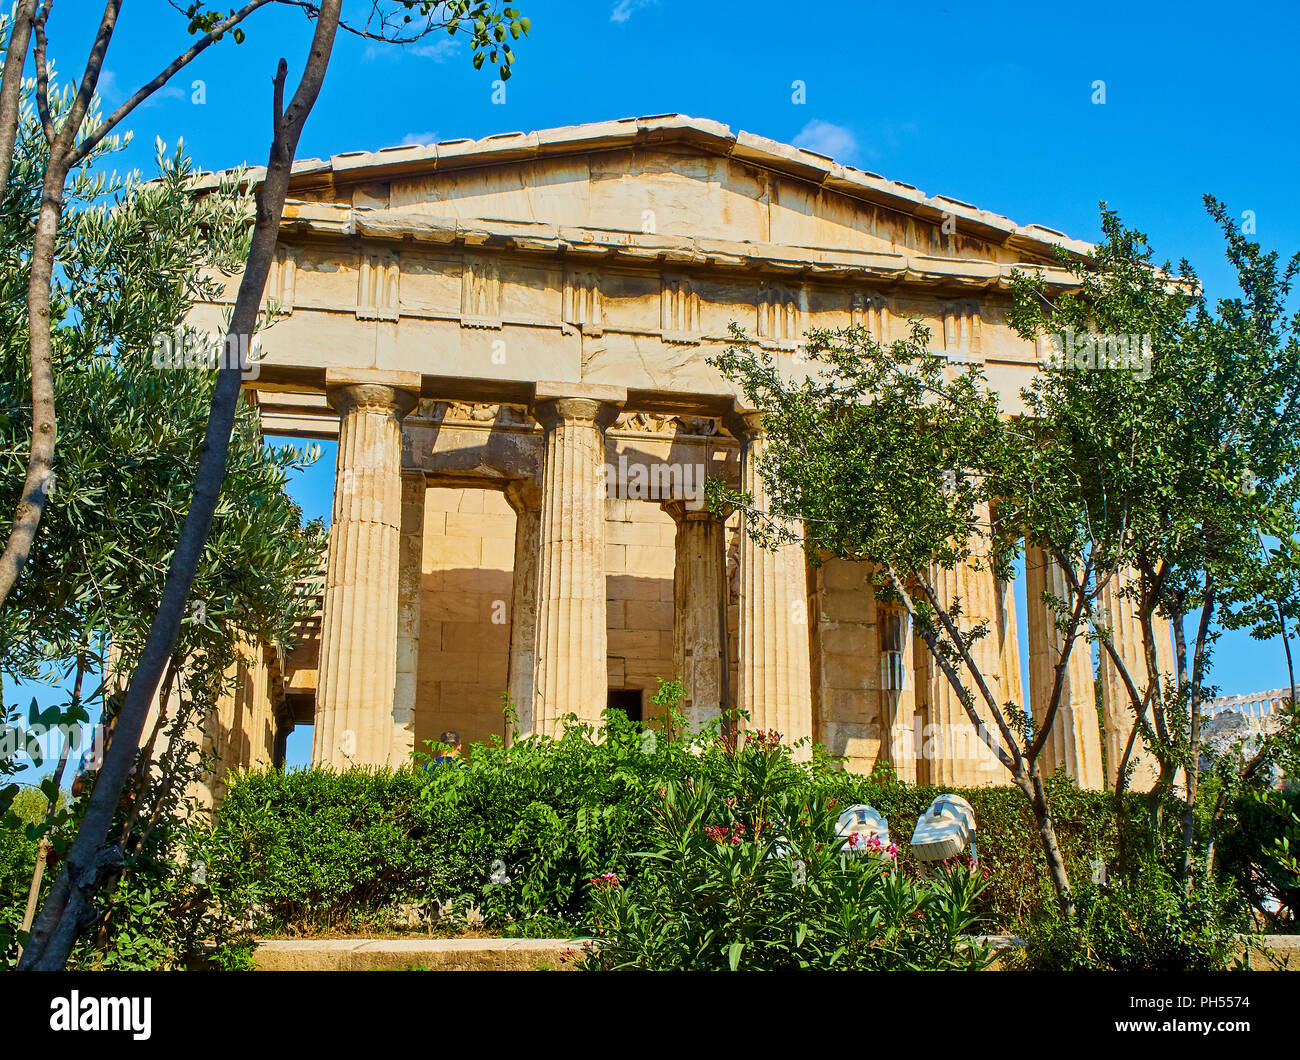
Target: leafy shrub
331, 846
1259, 851
343, 851
184, 894
336, 850
749, 873
1147, 921
17, 861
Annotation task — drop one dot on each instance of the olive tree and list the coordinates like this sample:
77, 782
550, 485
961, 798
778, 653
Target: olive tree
132, 442
91, 860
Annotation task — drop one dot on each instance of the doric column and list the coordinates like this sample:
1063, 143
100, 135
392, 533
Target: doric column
700, 612
358, 653
525, 497
774, 673
958, 755
410, 580
1012, 688
570, 673
1120, 614
1075, 739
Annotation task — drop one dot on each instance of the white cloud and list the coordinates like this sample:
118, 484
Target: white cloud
422, 139
166, 92
827, 139
625, 9
439, 50
106, 86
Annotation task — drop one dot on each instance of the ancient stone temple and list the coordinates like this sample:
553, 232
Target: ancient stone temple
508, 340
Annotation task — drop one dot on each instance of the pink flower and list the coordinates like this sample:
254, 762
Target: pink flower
720, 833
606, 881
764, 740
891, 850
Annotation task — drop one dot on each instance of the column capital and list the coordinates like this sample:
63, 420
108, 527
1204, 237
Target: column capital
683, 513
582, 403
372, 391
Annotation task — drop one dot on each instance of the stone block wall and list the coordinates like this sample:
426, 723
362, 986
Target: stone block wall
639, 559
846, 672
467, 567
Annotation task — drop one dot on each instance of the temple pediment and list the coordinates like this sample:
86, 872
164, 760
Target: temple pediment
671, 176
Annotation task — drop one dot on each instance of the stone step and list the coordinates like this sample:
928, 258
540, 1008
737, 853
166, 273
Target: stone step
407, 954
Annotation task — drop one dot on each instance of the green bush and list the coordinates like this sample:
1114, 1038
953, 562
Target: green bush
17, 861
748, 873
338, 850
342, 851
1259, 849
18, 850
1147, 921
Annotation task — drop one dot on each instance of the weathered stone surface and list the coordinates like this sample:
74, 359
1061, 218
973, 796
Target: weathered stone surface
699, 607
775, 681
1119, 614
434, 955
570, 673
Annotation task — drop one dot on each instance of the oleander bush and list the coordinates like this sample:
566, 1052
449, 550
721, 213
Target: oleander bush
747, 872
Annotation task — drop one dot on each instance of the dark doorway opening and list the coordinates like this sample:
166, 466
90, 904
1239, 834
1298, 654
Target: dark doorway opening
628, 700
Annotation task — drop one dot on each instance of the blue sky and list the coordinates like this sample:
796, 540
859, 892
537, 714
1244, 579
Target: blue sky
991, 103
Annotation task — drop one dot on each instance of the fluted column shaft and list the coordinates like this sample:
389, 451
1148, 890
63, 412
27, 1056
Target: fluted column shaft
525, 497
1008, 633
570, 673
775, 680
358, 654
1120, 615
1075, 739
700, 612
409, 593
